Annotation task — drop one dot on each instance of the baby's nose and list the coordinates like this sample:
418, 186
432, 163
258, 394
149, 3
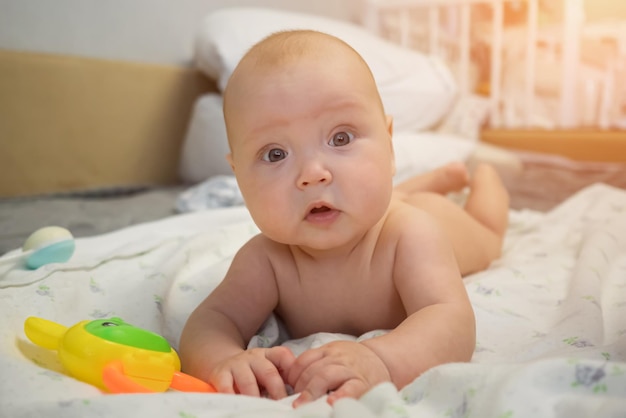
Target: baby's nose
314, 173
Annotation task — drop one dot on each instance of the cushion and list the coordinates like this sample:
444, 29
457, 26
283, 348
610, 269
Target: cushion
416, 89
205, 147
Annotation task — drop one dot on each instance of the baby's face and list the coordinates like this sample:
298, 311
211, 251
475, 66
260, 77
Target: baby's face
311, 150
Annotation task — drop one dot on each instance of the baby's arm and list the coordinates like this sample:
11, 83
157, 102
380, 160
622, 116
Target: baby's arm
214, 339
439, 327
440, 324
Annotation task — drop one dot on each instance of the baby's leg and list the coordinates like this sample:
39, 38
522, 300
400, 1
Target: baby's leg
477, 230
488, 200
451, 177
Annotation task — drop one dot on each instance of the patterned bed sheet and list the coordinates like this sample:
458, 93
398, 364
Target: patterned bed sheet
551, 321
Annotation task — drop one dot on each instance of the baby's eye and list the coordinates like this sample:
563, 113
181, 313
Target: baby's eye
340, 139
275, 154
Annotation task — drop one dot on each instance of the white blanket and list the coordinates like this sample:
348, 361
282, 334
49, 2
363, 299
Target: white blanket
551, 317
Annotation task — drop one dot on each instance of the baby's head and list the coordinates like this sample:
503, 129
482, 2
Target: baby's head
309, 138
280, 51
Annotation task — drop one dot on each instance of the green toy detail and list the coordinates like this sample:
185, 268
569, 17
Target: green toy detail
118, 331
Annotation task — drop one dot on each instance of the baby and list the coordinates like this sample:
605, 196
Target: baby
340, 250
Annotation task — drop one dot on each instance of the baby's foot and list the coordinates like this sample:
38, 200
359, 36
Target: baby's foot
452, 177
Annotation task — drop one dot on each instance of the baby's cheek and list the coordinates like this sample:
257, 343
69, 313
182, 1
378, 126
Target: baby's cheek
271, 223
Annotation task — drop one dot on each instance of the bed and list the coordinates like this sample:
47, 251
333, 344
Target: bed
551, 334
550, 314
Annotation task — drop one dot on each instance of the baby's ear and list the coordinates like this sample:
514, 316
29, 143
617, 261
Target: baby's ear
389, 119
229, 158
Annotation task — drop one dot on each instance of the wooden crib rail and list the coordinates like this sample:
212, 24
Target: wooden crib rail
566, 41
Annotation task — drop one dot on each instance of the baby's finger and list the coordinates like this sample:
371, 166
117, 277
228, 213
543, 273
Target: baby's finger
282, 358
304, 398
320, 382
268, 377
224, 383
245, 381
351, 389
302, 363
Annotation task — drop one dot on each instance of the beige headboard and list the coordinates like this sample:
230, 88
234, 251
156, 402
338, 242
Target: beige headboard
71, 123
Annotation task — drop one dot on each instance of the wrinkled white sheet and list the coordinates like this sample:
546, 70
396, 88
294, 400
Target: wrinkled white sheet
551, 334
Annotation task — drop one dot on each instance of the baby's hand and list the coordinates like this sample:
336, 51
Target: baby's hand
347, 368
253, 369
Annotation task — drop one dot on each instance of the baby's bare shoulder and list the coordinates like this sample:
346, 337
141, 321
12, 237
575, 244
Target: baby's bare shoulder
255, 267
410, 227
403, 217
260, 252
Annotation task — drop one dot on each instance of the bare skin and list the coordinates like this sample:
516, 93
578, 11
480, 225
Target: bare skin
340, 250
449, 178
482, 219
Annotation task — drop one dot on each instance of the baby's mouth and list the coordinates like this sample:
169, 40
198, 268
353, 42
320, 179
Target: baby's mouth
320, 209
321, 212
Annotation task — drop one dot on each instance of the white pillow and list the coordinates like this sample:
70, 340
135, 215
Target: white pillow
419, 152
417, 90
205, 147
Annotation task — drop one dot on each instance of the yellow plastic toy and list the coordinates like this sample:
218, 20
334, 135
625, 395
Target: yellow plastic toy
115, 356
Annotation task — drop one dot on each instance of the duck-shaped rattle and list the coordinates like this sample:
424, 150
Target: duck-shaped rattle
115, 356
